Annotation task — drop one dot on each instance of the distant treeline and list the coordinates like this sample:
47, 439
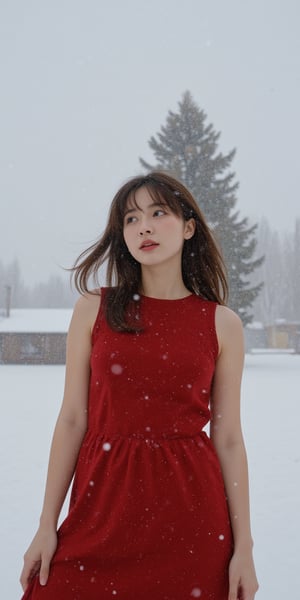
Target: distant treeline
56, 292
279, 297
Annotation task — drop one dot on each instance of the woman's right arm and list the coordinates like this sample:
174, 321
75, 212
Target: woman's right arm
68, 435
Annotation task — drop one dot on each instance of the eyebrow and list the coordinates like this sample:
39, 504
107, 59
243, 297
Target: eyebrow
134, 209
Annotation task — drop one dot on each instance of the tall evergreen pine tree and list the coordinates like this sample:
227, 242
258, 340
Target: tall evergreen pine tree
187, 148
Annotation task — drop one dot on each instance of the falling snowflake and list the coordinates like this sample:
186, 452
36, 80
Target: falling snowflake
106, 446
116, 369
196, 592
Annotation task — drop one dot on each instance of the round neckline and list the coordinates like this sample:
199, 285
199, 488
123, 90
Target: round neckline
166, 299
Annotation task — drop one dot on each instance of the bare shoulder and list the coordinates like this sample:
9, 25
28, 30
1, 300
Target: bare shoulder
229, 326
227, 317
86, 309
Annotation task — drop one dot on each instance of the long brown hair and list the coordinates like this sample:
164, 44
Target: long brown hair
203, 269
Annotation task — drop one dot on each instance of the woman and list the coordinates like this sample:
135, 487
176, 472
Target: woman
158, 510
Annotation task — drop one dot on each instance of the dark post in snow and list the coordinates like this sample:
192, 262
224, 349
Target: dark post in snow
8, 299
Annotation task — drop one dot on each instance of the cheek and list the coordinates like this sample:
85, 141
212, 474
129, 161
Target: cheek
175, 229
127, 237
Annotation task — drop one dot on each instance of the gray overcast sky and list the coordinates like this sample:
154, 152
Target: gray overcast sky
84, 84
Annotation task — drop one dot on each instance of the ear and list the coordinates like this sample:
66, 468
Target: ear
189, 229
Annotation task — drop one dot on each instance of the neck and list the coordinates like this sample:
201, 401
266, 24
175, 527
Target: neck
164, 283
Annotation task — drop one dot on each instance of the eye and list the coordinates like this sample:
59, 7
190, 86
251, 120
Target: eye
129, 220
159, 212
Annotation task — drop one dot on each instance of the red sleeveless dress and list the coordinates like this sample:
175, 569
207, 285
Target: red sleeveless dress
148, 516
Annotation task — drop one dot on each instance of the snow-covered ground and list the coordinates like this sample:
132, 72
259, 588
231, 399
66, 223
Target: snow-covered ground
38, 320
30, 398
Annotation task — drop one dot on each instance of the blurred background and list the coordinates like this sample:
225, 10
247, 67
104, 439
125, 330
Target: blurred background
84, 87
95, 92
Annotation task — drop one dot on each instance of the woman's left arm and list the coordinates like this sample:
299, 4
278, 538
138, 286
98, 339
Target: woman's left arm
226, 435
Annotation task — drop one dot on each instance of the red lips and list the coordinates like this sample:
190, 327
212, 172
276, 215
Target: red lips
148, 243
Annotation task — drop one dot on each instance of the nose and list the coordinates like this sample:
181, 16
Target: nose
145, 228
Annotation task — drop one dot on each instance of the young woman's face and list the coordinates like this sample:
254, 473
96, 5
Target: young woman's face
153, 233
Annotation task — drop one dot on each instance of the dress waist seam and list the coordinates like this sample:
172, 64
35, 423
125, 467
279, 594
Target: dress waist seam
146, 437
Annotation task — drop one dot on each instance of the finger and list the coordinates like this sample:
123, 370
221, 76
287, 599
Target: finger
44, 570
246, 595
24, 581
28, 573
233, 589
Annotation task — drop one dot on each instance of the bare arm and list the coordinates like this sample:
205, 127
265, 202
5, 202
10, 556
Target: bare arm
67, 438
227, 437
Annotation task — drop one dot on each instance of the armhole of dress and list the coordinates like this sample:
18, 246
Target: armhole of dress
214, 329
99, 316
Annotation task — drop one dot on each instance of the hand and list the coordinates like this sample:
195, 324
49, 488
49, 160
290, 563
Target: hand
243, 584
38, 557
